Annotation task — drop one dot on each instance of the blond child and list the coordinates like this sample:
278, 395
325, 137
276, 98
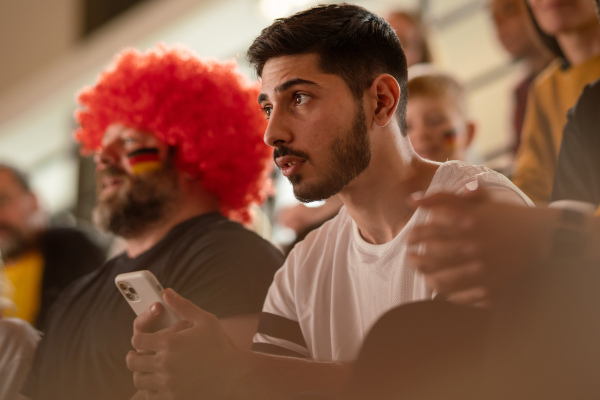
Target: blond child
437, 120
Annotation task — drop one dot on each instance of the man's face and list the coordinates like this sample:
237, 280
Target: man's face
17, 209
136, 182
563, 16
436, 128
316, 125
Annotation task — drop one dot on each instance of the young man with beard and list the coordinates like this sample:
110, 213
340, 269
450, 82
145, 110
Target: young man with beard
334, 91
175, 158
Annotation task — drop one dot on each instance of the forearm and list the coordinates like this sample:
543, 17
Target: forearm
265, 376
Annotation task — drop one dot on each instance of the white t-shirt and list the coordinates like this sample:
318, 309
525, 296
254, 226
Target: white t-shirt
334, 285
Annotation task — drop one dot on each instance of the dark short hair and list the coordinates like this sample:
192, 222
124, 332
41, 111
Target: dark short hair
351, 42
19, 176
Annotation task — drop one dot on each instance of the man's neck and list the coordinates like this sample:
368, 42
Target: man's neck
378, 199
158, 230
581, 45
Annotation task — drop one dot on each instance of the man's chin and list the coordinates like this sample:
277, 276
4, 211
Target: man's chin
310, 194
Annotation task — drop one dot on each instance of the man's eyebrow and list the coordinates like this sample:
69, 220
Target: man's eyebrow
292, 82
285, 86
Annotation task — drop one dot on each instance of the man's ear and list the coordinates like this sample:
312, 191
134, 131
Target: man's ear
471, 132
385, 93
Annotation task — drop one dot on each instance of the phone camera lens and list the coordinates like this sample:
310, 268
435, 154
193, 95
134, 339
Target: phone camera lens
129, 296
122, 286
132, 290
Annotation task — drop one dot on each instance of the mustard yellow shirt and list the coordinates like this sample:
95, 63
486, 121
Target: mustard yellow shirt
25, 275
555, 91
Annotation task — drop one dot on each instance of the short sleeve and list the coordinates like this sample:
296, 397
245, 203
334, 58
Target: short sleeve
499, 188
279, 331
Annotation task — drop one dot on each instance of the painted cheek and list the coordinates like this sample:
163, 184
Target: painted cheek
450, 139
143, 160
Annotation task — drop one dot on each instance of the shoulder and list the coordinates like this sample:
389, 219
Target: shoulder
548, 75
316, 239
456, 176
309, 257
222, 238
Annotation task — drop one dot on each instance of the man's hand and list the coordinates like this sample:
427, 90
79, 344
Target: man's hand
471, 247
191, 359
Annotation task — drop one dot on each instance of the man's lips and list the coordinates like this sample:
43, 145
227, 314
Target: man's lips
110, 184
289, 165
110, 181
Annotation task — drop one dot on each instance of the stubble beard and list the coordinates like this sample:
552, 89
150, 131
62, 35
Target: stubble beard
141, 203
350, 156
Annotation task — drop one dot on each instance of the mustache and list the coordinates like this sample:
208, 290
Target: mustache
111, 172
282, 151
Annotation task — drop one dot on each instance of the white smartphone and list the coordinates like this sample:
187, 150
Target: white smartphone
141, 289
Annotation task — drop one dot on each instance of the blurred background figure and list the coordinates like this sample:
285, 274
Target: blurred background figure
40, 260
518, 36
412, 34
437, 119
575, 27
18, 340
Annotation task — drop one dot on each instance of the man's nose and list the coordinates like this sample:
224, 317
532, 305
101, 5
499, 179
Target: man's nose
105, 157
278, 132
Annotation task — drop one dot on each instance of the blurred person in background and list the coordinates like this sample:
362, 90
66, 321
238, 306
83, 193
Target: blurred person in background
412, 32
179, 154
40, 261
437, 119
18, 340
574, 25
578, 171
518, 36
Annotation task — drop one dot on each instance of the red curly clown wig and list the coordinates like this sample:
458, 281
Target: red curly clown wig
206, 110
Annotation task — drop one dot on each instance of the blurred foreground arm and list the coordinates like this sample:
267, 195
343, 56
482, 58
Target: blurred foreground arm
472, 247
196, 359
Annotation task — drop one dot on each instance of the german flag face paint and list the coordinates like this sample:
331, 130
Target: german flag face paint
144, 160
450, 139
